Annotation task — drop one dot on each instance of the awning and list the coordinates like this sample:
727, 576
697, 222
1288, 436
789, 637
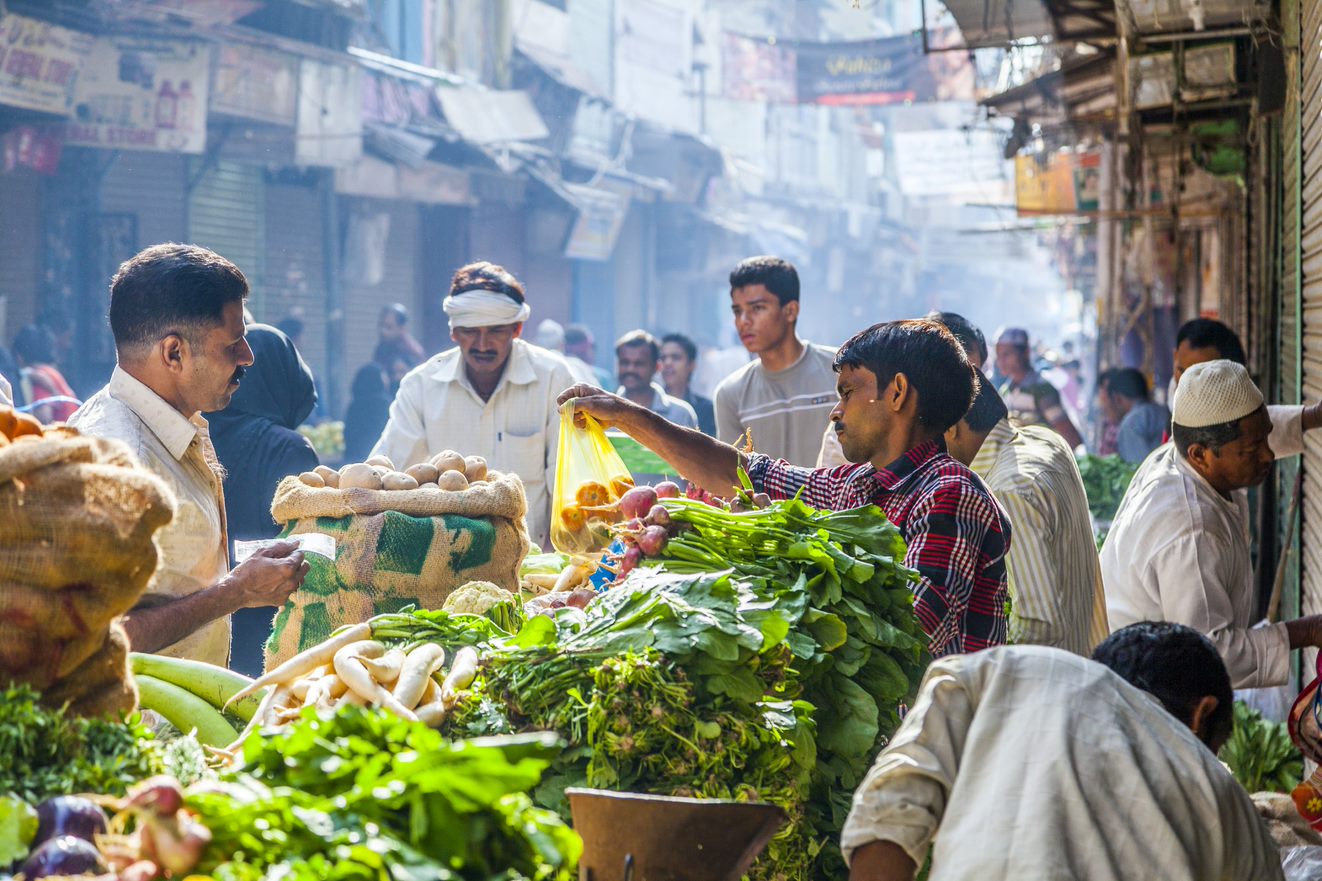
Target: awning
1083, 87
1150, 17
560, 68
429, 182
993, 23
491, 116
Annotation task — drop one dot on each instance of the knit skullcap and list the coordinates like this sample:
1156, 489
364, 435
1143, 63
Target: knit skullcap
1214, 393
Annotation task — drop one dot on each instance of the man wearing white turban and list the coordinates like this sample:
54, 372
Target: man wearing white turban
1178, 549
493, 396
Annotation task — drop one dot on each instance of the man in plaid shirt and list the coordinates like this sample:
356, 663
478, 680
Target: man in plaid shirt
902, 384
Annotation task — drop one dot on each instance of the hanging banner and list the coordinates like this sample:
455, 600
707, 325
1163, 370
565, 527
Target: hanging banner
255, 83
885, 71
142, 93
39, 64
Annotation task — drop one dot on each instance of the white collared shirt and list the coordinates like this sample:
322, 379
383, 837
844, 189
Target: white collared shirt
193, 546
1054, 577
1034, 763
516, 431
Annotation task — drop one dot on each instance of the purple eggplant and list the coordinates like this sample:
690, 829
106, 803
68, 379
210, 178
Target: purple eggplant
69, 815
65, 855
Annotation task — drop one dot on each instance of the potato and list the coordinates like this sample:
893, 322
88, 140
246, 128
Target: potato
423, 472
330, 477
381, 462
452, 481
312, 478
397, 480
475, 468
361, 476
448, 460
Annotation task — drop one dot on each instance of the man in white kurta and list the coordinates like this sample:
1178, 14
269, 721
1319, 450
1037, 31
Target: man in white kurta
493, 396
1027, 762
1179, 547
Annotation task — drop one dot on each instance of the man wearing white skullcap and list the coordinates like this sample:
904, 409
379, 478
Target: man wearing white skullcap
493, 396
1179, 546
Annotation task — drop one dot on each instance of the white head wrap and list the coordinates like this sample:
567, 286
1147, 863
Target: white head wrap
1214, 393
483, 309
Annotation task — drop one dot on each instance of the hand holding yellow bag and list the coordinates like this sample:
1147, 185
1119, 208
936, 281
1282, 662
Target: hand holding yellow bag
590, 477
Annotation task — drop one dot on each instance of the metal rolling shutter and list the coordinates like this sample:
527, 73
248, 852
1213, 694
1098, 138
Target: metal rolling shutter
20, 251
295, 268
226, 213
1309, 214
398, 282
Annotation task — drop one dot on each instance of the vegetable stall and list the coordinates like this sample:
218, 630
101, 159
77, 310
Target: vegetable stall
739, 652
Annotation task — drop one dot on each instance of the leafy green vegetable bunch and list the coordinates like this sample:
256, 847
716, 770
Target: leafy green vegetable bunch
1260, 753
364, 795
1105, 479
859, 650
46, 752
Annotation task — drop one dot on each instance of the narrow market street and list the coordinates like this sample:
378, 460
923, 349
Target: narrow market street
660, 440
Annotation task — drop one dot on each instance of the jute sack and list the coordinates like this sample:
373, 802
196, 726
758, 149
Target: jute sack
77, 516
393, 549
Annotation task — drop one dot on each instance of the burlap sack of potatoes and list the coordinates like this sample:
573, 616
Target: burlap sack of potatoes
393, 549
77, 516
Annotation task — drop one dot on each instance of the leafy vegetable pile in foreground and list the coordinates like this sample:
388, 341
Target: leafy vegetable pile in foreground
366, 795
764, 660
1106, 479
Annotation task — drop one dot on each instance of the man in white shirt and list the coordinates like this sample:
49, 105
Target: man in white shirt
1054, 578
785, 396
493, 396
1026, 762
1179, 547
176, 312
636, 357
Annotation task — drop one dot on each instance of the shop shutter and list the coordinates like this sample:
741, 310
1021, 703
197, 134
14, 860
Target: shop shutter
368, 288
20, 251
295, 268
226, 213
1309, 213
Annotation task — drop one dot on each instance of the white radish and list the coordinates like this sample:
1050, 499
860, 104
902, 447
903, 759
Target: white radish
259, 717
462, 673
418, 669
431, 693
305, 662
433, 714
350, 668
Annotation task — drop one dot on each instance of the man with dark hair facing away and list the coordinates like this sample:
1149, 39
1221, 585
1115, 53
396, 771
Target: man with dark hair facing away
1026, 762
1179, 548
783, 397
176, 312
492, 396
679, 359
1142, 424
901, 386
1054, 579
636, 357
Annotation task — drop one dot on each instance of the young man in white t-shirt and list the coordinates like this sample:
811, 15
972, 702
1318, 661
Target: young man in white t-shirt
785, 396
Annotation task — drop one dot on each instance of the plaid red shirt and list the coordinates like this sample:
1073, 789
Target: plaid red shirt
957, 534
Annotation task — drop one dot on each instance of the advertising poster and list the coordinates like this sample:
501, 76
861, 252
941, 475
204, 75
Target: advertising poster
142, 93
39, 64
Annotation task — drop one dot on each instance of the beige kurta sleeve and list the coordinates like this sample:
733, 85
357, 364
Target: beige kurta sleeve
1195, 591
904, 795
1287, 437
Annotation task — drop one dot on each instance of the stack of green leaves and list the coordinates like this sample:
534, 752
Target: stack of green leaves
859, 650
1106, 479
1261, 754
366, 795
46, 752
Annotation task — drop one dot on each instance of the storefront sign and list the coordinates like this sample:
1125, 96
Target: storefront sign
39, 64
600, 217
35, 147
330, 115
885, 71
757, 69
142, 93
255, 83
1061, 183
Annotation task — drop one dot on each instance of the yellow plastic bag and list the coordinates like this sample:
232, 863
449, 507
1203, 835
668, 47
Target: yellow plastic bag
590, 477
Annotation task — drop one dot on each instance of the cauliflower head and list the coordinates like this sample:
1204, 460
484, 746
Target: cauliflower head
476, 598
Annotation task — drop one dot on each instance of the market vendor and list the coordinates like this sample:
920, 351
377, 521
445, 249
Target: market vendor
176, 312
1179, 546
901, 384
493, 396
1028, 762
